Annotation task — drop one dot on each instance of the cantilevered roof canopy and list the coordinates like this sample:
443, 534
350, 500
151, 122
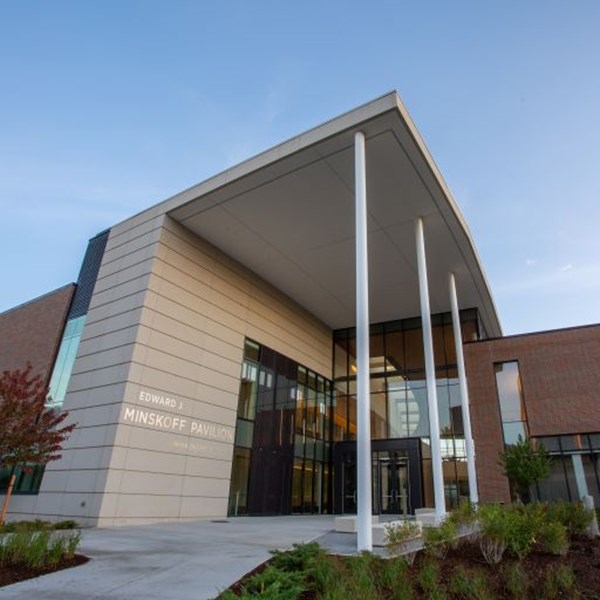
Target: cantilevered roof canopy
288, 215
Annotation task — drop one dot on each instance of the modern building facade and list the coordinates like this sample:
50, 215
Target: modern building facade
213, 353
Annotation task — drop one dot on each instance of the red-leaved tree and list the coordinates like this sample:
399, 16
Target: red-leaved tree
30, 433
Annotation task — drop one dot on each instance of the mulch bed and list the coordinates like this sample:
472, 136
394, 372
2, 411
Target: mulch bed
583, 558
12, 574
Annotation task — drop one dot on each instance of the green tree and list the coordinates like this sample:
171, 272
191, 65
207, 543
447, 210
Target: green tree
525, 465
30, 433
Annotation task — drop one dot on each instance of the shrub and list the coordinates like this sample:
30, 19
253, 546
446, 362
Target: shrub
469, 585
67, 524
573, 515
23, 526
516, 528
302, 557
397, 535
552, 538
559, 583
274, 584
438, 540
493, 537
394, 577
524, 464
524, 524
516, 582
37, 549
465, 514
363, 576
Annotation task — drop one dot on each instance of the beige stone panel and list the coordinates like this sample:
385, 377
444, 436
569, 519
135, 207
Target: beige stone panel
201, 507
161, 342
109, 310
96, 415
214, 414
83, 399
198, 466
197, 438
191, 370
155, 440
153, 379
98, 378
217, 396
283, 331
104, 359
112, 254
136, 482
167, 308
141, 256
156, 462
88, 437
57, 482
183, 242
120, 290
165, 402
208, 488
205, 286
204, 270
62, 505
125, 273
147, 506
119, 322
163, 325
183, 314
81, 458
130, 230
225, 315
290, 350
222, 381
217, 363
22, 505
83, 481
297, 325
107, 341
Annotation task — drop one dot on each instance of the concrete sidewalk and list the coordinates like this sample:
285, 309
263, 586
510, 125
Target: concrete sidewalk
170, 561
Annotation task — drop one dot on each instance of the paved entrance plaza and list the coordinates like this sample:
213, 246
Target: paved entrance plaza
192, 560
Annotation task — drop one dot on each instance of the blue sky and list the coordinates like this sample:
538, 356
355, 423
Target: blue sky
109, 107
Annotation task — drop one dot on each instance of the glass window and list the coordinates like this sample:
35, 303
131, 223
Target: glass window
63, 366
510, 394
251, 350
512, 431
394, 351
248, 391
240, 474
378, 417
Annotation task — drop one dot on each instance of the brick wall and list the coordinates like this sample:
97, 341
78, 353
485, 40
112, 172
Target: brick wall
560, 375
32, 331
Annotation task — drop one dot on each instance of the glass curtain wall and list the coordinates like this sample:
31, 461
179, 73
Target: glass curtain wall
399, 392
282, 443
575, 470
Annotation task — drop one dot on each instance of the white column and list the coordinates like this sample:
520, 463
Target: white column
363, 403
434, 420
582, 488
464, 393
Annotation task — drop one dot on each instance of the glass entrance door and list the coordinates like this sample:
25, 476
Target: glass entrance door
349, 487
393, 491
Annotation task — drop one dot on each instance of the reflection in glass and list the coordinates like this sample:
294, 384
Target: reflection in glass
240, 473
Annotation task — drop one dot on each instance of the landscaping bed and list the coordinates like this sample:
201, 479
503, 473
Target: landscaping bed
33, 548
518, 552
461, 575
14, 574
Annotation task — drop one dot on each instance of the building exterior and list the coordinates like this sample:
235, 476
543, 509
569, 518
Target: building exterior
545, 386
215, 356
